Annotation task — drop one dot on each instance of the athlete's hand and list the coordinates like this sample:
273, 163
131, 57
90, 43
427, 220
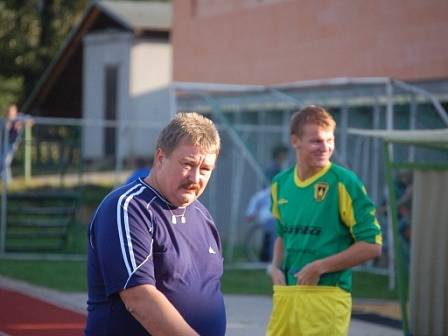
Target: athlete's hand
278, 278
310, 274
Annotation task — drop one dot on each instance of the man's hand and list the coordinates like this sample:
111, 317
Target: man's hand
310, 274
278, 278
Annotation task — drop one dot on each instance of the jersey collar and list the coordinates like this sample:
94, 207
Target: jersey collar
309, 180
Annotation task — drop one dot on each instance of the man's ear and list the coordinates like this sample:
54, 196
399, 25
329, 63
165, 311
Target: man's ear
295, 141
158, 157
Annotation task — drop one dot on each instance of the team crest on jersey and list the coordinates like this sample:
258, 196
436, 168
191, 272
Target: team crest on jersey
320, 191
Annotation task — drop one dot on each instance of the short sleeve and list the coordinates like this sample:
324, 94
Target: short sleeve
124, 238
275, 210
358, 211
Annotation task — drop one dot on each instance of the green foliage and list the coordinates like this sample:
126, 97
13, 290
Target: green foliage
10, 90
31, 32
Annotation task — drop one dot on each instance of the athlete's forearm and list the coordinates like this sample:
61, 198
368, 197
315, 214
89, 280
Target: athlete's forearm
277, 256
155, 313
278, 278
356, 254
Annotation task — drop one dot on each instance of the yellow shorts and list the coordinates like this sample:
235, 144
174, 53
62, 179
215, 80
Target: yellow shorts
310, 311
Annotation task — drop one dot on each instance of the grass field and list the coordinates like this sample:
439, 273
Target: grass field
70, 276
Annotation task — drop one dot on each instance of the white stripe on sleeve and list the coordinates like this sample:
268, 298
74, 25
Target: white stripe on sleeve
126, 226
119, 226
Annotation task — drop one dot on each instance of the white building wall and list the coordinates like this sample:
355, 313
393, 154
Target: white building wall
150, 76
101, 50
150, 65
143, 102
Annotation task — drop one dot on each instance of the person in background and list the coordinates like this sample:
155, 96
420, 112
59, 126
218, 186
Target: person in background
259, 211
279, 161
259, 207
403, 190
325, 224
403, 194
154, 254
13, 126
142, 170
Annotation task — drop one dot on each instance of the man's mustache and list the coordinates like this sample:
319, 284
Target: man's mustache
190, 186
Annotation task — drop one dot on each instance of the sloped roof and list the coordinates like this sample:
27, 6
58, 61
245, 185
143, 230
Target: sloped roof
139, 15
140, 18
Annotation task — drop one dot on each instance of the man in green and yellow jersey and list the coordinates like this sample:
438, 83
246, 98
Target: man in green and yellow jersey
325, 224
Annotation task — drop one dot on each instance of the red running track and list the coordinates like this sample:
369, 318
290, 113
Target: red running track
22, 315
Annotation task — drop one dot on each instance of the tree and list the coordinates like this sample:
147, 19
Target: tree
31, 32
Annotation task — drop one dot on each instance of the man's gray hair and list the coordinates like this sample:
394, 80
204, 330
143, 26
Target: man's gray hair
195, 128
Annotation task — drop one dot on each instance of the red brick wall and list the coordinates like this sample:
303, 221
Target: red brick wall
276, 41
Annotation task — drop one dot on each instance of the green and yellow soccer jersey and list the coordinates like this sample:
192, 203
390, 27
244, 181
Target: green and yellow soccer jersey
320, 217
